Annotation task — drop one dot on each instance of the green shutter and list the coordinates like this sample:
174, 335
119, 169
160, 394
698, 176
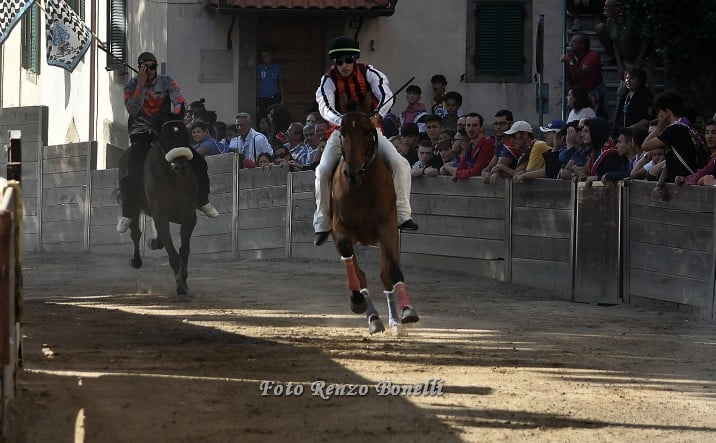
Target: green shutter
31, 39
499, 37
116, 34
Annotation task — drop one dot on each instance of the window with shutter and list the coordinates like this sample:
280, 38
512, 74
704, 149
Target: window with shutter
78, 6
500, 41
31, 39
116, 35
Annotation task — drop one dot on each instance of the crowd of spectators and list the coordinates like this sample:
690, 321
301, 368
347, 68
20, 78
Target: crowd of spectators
648, 139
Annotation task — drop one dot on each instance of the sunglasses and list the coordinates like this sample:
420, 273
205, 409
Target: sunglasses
151, 67
341, 60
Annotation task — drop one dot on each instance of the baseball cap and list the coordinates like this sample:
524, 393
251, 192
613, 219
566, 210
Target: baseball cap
553, 126
519, 126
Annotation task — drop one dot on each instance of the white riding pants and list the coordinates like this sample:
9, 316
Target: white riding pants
329, 160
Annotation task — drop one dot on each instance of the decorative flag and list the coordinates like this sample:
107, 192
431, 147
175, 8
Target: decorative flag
12, 11
67, 36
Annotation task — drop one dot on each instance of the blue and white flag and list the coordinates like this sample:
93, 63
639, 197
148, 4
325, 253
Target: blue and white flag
11, 12
68, 39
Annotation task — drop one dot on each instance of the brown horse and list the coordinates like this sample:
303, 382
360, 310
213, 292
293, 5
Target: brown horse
363, 210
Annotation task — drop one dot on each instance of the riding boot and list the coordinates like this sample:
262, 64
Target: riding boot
131, 172
324, 172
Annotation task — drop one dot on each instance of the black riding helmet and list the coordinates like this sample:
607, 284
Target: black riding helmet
146, 57
343, 46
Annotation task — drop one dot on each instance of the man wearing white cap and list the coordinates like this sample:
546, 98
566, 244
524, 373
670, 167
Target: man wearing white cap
520, 132
536, 164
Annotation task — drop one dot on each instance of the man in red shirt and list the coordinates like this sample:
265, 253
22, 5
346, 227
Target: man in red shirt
584, 66
479, 151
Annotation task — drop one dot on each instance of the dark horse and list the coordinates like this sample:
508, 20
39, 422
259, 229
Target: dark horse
363, 210
170, 196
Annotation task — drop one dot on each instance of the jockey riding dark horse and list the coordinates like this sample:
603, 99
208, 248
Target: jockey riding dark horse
148, 96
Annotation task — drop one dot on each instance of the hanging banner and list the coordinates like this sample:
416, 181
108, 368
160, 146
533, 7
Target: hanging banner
12, 11
67, 36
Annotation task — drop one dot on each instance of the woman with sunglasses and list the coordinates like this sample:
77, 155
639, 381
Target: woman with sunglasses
348, 81
145, 96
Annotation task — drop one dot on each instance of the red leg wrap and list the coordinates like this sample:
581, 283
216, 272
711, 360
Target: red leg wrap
402, 293
351, 275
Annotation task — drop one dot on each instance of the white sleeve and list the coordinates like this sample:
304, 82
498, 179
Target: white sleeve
234, 143
326, 99
380, 86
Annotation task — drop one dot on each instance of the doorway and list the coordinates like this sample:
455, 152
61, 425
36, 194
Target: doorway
298, 44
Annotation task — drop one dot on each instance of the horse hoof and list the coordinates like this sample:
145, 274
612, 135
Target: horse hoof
358, 304
136, 263
375, 325
409, 315
398, 330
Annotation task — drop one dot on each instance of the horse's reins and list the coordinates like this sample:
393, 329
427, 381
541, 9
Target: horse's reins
370, 153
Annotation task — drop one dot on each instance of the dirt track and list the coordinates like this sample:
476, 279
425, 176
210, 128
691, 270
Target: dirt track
110, 357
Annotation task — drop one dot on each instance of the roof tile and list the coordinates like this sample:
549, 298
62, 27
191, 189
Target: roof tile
306, 4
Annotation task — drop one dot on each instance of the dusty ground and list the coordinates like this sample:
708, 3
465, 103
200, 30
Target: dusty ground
111, 357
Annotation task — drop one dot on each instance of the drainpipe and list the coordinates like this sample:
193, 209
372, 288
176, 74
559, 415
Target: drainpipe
564, 68
93, 73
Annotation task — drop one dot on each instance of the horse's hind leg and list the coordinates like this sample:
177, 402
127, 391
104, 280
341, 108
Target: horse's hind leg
185, 235
136, 235
357, 283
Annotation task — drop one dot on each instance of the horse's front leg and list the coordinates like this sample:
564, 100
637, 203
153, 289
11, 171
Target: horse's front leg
357, 283
136, 235
185, 234
161, 224
393, 280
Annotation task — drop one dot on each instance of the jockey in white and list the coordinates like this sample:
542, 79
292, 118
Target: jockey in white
349, 81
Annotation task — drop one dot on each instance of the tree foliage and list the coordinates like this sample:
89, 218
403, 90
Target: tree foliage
683, 35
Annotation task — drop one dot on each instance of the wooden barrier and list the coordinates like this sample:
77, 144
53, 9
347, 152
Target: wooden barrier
670, 248
10, 294
597, 241
544, 233
66, 196
261, 212
33, 122
462, 227
541, 223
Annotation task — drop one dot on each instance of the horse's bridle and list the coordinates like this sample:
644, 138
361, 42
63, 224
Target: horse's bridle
370, 153
176, 152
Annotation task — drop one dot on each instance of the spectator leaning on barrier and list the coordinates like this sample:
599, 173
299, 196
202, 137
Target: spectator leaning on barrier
628, 143
677, 136
535, 166
520, 131
479, 150
458, 149
705, 175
